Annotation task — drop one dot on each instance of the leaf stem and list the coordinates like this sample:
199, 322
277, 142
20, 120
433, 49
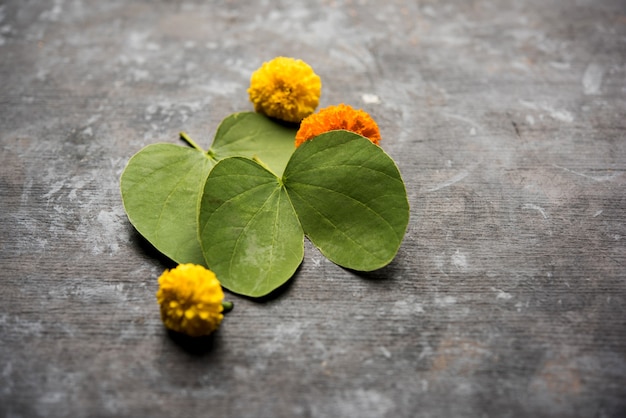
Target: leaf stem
228, 306
190, 141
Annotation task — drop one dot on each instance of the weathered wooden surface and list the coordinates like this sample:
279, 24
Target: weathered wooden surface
508, 298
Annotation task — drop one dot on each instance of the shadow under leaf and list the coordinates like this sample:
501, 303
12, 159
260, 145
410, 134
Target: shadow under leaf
388, 272
148, 250
276, 293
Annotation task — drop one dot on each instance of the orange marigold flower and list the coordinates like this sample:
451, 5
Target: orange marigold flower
338, 117
286, 89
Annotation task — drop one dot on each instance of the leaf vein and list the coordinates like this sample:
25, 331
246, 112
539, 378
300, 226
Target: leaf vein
336, 228
363, 204
339, 166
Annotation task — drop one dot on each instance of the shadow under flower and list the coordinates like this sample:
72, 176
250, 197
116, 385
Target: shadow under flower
286, 124
195, 346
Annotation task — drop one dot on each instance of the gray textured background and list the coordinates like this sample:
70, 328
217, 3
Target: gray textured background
507, 298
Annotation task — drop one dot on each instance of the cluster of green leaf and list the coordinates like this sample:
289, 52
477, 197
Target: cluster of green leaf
243, 207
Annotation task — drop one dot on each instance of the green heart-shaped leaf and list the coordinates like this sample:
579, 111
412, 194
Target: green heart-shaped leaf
162, 184
350, 199
250, 234
342, 190
249, 134
161, 187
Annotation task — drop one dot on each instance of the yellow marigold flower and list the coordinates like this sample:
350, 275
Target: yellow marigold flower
338, 117
191, 298
286, 89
